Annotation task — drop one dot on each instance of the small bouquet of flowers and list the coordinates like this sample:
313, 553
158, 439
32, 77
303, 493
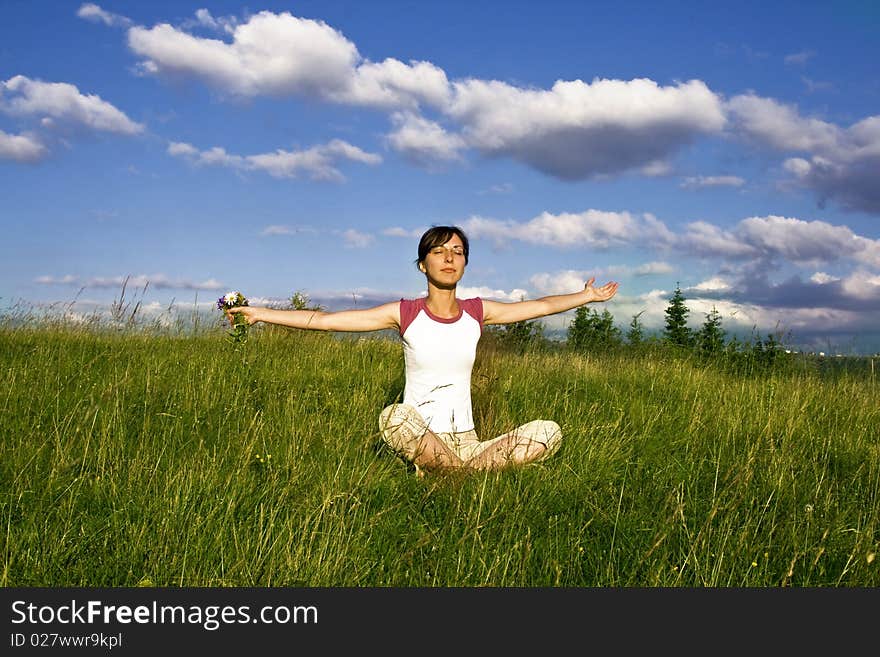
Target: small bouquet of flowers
239, 322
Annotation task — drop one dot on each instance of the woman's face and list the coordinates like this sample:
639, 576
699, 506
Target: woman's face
444, 265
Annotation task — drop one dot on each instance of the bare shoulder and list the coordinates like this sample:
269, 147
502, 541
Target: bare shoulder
493, 311
390, 310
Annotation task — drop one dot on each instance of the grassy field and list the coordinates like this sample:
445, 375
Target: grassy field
154, 458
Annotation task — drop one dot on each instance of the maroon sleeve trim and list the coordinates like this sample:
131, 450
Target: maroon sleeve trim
409, 308
474, 308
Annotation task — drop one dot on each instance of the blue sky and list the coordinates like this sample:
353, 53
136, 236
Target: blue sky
197, 148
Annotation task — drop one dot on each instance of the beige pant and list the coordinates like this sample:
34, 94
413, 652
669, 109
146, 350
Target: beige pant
402, 428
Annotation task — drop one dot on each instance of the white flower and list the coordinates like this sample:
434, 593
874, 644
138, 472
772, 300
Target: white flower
231, 297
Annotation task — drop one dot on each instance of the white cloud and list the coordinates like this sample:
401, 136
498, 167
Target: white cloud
781, 126
158, 281
589, 228
803, 242
204, 18
94, 13
319, 162
654, 268
422, 141
714, 284
561, 282
53, 280
862, 285
21, 148
795, 320
705, 239
736, 316
355, 239
397, 231
270, 54
697, 182
280, 54
22, 96
821, 278
840, 164
773, 237
577, 130
574, 130
515, 294
656, 169
392, 83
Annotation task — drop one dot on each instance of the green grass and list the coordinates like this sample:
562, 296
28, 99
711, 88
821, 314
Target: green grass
144, 457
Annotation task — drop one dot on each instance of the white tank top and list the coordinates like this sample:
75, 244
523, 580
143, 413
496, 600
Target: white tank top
439, 356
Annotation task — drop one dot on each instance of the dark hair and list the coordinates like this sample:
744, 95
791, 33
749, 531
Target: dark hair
438, 236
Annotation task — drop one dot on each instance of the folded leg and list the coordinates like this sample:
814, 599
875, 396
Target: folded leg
406, 432
533, 441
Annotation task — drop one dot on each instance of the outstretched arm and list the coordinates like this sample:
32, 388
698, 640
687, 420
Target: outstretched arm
497, 312
386, 316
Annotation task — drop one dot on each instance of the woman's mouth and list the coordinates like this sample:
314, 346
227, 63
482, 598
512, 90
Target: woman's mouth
448, 270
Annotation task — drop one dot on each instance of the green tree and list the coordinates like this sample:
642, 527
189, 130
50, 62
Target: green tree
590, 330
301, 301
710, 338
676, 330
636, 333
519, 335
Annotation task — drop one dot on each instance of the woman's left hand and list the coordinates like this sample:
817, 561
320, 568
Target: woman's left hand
600, 293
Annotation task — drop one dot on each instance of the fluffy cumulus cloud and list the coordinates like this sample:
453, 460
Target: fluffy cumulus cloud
714, 284
578, 130
745, 254
319, 162
22, 96
780, 126
593, 228
281, 54
21, 148
423, 141
574, 130
774, 238
839, 164
858, 291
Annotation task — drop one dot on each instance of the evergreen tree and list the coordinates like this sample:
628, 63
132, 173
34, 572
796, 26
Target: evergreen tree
636, 333
676, 330
519, 335
591, 329
710, 338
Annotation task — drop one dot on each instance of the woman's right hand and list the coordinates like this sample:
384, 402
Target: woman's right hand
249, 313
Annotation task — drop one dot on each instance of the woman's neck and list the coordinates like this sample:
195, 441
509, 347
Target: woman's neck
442, 302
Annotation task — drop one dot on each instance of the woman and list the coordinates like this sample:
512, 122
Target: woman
433, 427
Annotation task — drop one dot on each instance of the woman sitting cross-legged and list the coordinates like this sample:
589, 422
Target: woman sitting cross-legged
434, 426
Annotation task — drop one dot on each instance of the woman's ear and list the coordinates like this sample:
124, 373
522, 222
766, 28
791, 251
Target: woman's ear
422, 267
